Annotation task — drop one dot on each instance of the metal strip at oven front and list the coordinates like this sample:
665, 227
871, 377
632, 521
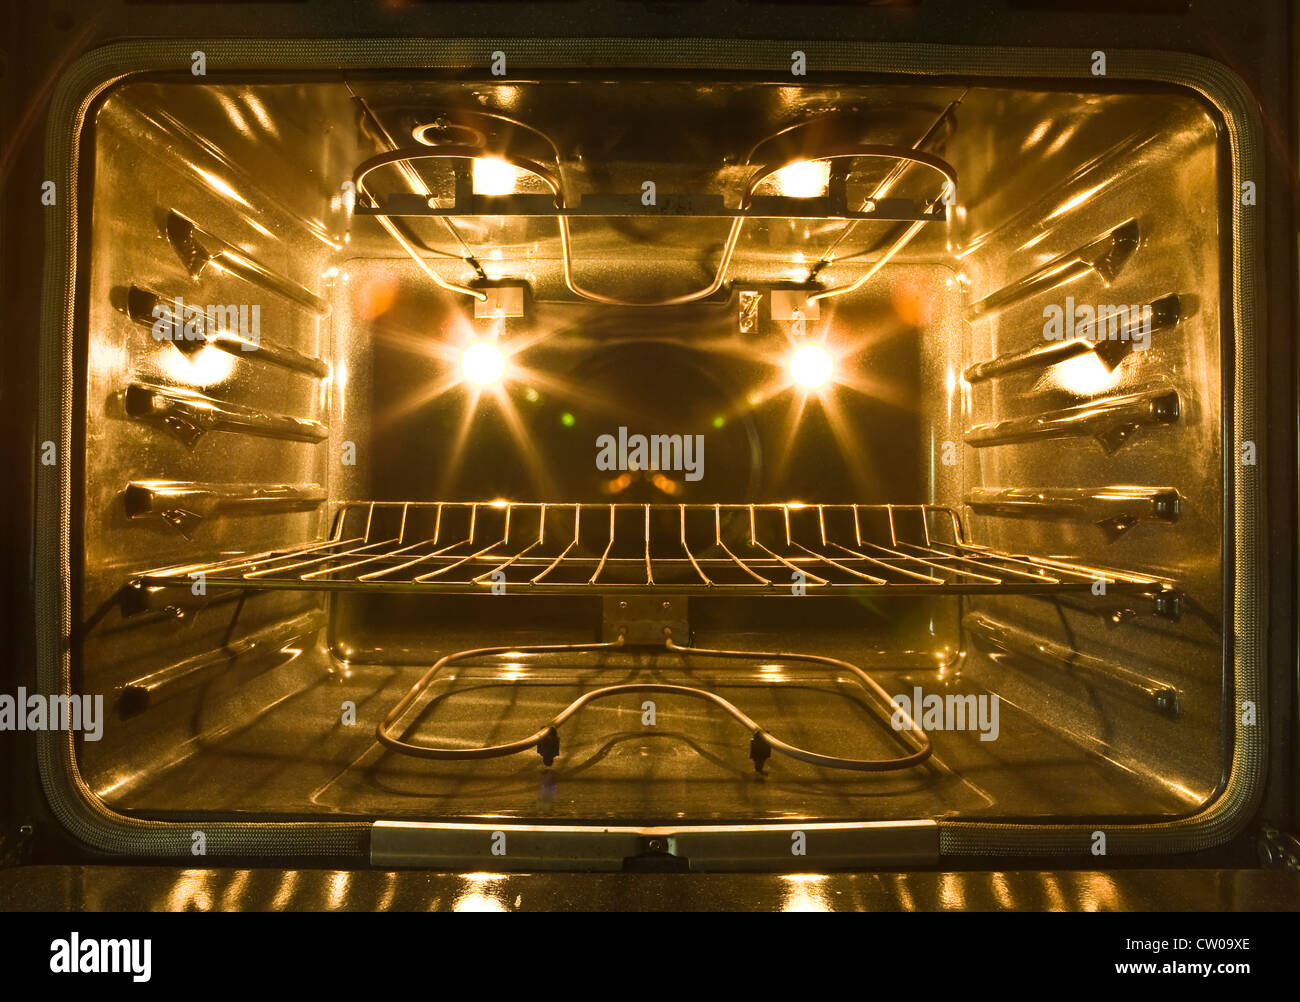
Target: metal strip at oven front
722, 847
703, 847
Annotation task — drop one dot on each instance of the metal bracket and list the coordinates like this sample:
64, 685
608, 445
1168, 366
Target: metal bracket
1279, 850
501, 301
787, 304
645, 619
176, 600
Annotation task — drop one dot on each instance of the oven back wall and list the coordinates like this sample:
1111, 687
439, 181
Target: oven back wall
577, 374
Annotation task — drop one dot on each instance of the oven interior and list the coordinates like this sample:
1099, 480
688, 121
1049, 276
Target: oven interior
302, 519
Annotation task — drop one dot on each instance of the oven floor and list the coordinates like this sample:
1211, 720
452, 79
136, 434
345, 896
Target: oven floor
690, 765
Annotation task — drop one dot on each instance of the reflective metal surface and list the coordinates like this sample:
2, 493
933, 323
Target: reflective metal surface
393, 420
1153, 164
90, 888
1010, 641
691, 765
233, 159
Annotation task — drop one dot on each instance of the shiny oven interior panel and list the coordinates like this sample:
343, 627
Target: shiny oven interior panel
654, 449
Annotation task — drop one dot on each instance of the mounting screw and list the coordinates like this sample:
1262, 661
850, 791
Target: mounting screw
622, 605
667, 606
657, 845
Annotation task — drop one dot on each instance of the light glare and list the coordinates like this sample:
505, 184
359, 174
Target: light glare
803, 179
483, 363
1084, 375
493, 176
812, 366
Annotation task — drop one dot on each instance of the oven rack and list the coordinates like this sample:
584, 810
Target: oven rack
534, 548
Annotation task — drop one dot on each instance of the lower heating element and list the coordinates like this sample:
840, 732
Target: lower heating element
762, 742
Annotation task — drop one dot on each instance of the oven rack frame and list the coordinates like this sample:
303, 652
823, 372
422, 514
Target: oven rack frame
541, 548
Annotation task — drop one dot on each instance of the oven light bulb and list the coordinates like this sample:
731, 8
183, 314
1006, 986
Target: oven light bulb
803, 179
493, 176
812, 366
483, 363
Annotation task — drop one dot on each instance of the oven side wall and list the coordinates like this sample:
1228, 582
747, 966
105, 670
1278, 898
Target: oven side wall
1138, 681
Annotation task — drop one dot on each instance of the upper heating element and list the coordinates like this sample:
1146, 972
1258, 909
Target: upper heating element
478, 165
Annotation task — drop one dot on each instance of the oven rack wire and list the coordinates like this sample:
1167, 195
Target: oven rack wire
536, 548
